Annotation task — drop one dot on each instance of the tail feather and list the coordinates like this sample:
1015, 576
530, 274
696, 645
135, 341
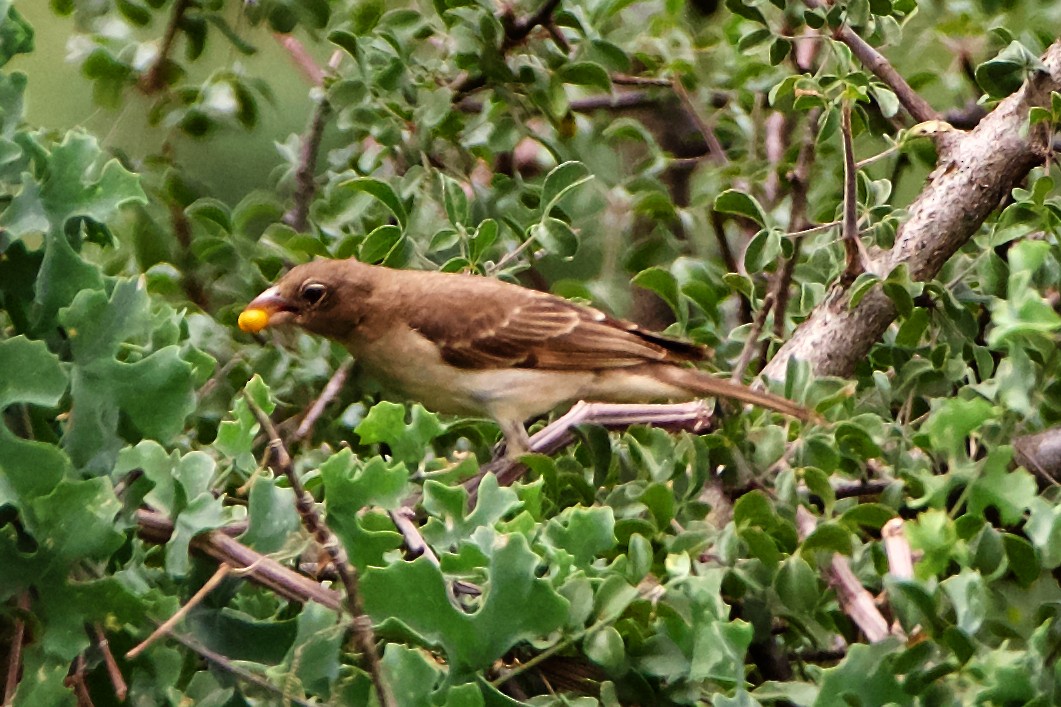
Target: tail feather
699, 383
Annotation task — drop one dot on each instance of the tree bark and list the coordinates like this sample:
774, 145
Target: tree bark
975, 172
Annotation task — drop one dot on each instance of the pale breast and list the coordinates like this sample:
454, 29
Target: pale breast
411, 366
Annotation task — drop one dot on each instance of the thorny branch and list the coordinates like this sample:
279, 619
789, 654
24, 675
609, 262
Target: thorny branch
281, 463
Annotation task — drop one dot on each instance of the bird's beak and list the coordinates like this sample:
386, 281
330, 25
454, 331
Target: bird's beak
263, 310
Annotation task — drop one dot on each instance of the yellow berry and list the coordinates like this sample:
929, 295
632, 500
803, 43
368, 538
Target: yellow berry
253, 320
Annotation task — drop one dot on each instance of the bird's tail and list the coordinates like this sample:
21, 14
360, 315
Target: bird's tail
702, 384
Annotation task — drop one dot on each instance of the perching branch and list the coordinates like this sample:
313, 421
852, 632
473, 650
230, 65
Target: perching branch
328, 395
693, 416
976, 170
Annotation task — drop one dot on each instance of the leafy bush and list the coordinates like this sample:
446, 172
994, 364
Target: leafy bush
759, 175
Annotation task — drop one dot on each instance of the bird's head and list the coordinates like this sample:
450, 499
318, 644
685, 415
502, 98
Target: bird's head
322, 297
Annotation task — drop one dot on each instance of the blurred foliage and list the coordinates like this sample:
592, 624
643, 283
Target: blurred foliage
556, 153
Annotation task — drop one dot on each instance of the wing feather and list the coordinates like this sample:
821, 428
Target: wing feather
526, 329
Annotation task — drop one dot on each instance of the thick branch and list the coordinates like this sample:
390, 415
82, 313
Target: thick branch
221, 546
975, 172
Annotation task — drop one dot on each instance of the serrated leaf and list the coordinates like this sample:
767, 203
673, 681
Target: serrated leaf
949, 425
470, 641
586, 533
155, 393
385, 422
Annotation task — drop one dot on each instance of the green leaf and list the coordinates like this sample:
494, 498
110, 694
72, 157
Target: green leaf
365, 14
16, 35
451, 522
412, 674
739, 203
605, 648
1004, 74
380, 190
1011, 492
380, 243
556, 237
470, 641
661, 282
796, 584
273, 519
154, 394
586, 533
78, 520
828, 536
585, 73
950, 424
865, 676
560, 181
762, 250
408, 442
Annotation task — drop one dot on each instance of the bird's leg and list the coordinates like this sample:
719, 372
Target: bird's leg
517, 441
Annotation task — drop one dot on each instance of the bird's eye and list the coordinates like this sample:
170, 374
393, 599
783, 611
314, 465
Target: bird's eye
313, 292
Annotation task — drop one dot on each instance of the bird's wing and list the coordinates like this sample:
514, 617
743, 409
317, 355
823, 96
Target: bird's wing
527, 329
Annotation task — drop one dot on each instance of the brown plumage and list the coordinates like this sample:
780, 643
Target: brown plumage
474, 345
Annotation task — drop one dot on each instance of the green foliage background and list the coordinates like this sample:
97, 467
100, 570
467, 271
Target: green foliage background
637, 568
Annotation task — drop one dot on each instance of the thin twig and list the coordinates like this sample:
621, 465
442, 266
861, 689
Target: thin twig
330, 393
300, 58
297, 217
800, 181
152, 80
76, 680
714, 147
753, 337
14, 656
167, 625
854, 255
121, 689
281, 463
718, 225
873, 60
228, 666
628, 80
